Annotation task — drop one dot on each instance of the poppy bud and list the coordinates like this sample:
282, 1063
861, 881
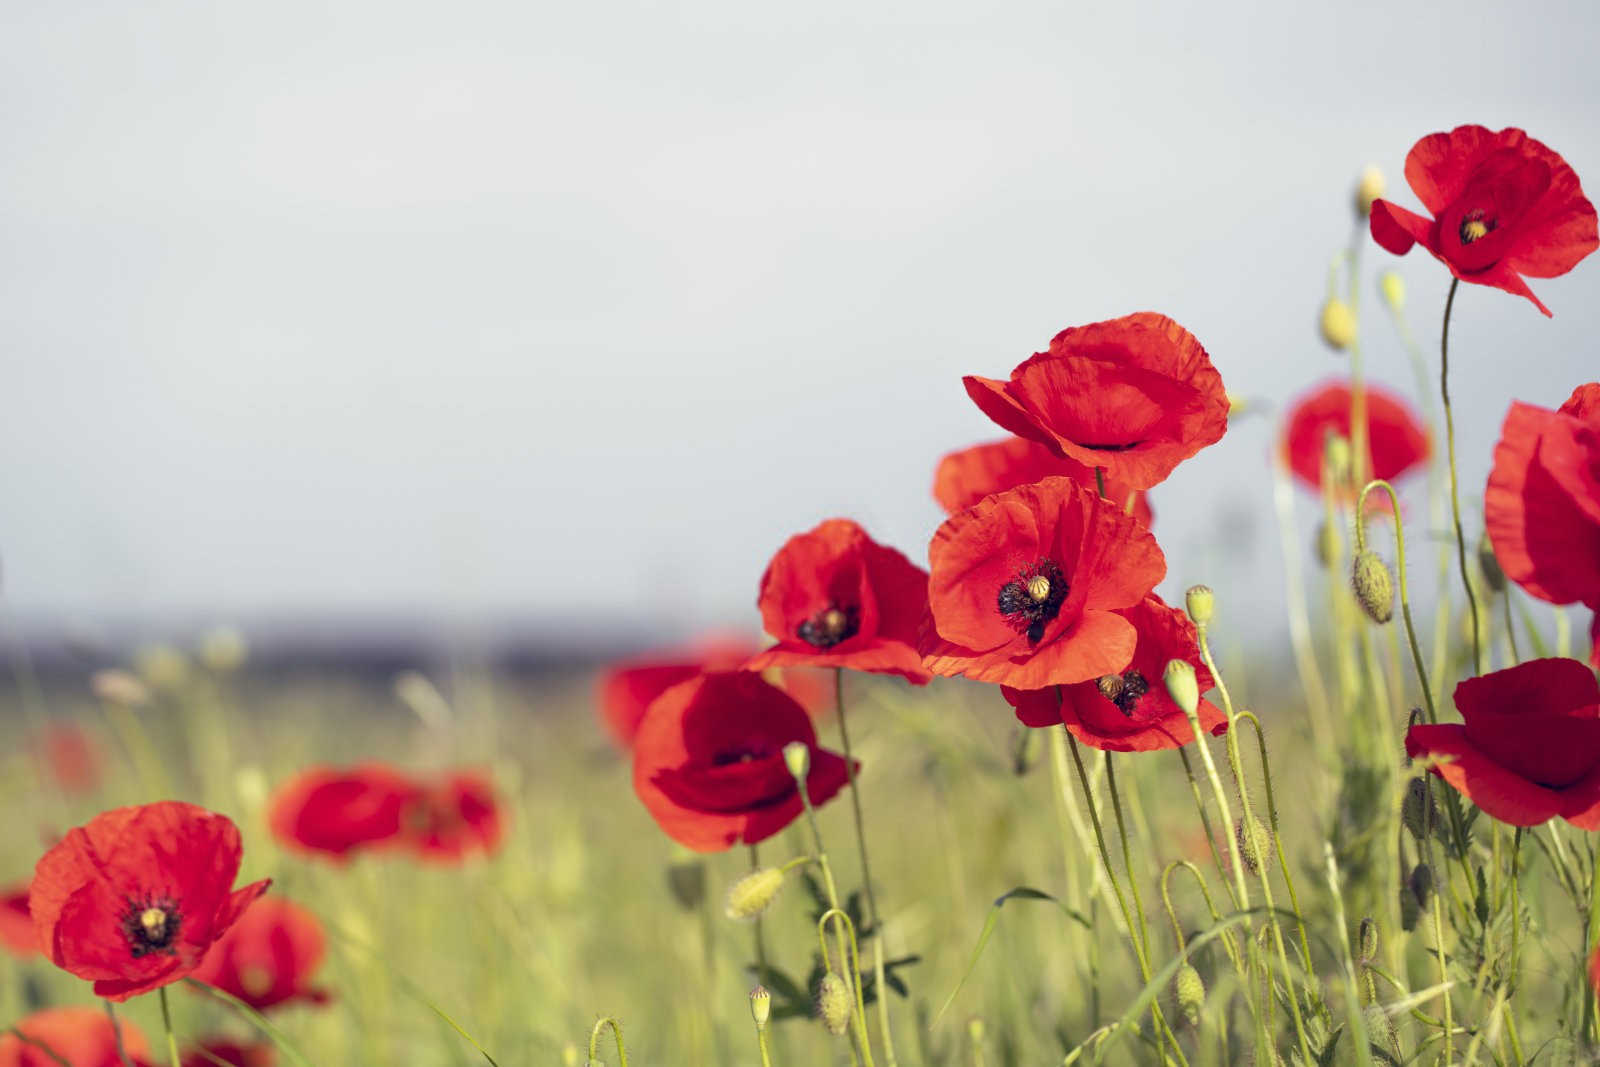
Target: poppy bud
1369, 188
1238, 405
1189, 992
162, 666
1393, 288
760, 1006
1337, 457
1329, 545
119, 687
1380, 1031
753, 894
833, 1003
1417, 811
797, 757
1421, 884
1493, 576
1182, 685
1374, 586
1338, 324
569, 1055
1201, 602
1367, 941
1254, 841
1410, 911
223, 650
977, 1029
687, 880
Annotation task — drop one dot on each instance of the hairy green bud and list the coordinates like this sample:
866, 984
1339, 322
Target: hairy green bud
1201, 603
1189, 993
1254, 841
1367, 941
1182, 685
833, 1003
1374, 586
752, 895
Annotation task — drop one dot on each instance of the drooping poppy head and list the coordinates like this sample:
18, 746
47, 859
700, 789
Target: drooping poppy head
1027, 586
135, 898
332, 812
211, 1053
1529, 748
1397, 441
1542, 503
448, 821
16, 923
79, 1036
71, 757
1129, 711
1504, 206
708, 761
966, 477
834, 597
1133, 396
267, 958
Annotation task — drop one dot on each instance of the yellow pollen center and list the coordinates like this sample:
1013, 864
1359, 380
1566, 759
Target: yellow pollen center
834, 622
154, 921
1473, 229
1039, 588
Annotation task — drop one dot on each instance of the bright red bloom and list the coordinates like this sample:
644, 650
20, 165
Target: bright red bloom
134, 899
1027, 585
453, 819
1594, 639
1134, 396
82, 1036
1542, 504
1529, 748
834, 597
268, 956
16, 923
1129, 711
1504, 206
209, 1053
71, 755
333, 812
1396, 439
967, 476
708, 761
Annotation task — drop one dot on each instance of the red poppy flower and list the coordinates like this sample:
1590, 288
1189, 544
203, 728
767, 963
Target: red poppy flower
1134, 396
1129, 711
967, 476
1594, 640
455, 818
1504, 206
71, 755
211, 1053
708, 761
834, 597
16, 923
1397, 442
1529, 748
82, 1036
268, 956
134, 899
1542, 504
333, 812
1027, 585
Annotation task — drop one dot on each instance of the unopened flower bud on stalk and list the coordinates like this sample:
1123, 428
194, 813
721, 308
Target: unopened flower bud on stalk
977, 1029
760, 1006
1201, 603
1338, 458
1329, 545
1380, 1030
1393, 288
1255, 842
1417, 811
1421, 884
1369, 188
1338, 324
753, 894
797, 757
1374, 586
1367, 941
1182, 685
1493, 576
1190, 993
833, 1003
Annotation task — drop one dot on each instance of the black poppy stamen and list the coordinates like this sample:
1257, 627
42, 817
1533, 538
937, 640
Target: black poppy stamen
1130, 446
1123, 690
830, 626
1034, 597
1474, 227
150, 924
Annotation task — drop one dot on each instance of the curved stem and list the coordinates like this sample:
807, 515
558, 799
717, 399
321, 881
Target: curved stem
116, 1034
842, 926
616, 1030
1455, 492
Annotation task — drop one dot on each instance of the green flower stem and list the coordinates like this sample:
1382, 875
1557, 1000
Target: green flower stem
1444, 978
1277, 840
1205, 823
761, 1040
763, 972
842, 926
1511, 629
116, 1034
833, 899
1455, 491
166, 1022
616, 1031
1360, 451
1591, 934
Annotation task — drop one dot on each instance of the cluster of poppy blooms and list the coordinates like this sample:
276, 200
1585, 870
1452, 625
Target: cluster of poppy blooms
336, 813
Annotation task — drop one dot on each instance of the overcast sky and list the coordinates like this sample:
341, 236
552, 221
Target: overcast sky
574, 312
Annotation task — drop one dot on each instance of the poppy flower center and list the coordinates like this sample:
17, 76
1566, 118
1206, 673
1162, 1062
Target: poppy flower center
150, 924
830, 626
1123, 690
1474, 227
1034, 597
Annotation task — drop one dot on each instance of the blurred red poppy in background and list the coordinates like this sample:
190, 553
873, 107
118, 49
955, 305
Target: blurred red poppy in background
963, 478
1542, 503
1503, 206
16, 923
448, 821
210, 1053
268, 956
135, 898
71, 755
81, 1036
1133, 396
1529, 748
1397, 442
708, 761
334, 812
1027, 585
834, 597
1129, 711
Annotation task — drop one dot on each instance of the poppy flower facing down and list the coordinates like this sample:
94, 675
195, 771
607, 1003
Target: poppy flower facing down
267, 957
453, 819
1027, 586
1129, 711
79, 1036
966, 477
16, 923
1504, 206
834, 597
334, 812
1133, 396
1396, 441
1542, 503
135, 898
1529, 748
708, 761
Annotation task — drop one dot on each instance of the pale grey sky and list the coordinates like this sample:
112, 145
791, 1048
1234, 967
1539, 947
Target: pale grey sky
576, 311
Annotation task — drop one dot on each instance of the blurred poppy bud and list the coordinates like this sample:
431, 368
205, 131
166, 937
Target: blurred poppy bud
1189, 992
1493, 576
1367, 941
753, 894
1328, 544
1369, 188
1393, 288
797, 757
1338, 324
833, 1003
